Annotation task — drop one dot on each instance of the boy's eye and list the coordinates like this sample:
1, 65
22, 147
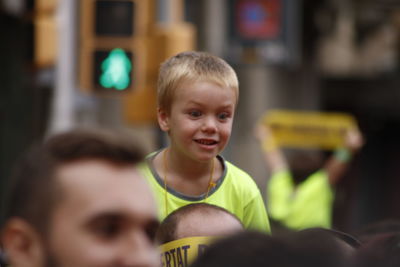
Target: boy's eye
223, 116
195, 113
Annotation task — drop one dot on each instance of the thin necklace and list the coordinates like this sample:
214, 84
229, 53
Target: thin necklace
211, 184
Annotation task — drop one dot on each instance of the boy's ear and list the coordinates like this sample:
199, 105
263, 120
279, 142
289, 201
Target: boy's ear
22, 244
163, 119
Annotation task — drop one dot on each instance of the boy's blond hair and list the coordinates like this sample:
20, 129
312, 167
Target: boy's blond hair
193, 66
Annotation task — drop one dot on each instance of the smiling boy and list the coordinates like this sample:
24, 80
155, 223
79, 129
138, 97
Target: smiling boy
197, 97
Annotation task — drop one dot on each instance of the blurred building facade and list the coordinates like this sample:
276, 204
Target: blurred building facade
319, 55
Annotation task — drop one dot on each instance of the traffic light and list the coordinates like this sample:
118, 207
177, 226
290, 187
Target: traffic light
45, 33
163, 42
121, 48
112, 50
113, 68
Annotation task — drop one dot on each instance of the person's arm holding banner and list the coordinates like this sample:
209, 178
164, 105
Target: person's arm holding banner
273, 155
279, 186
337, 164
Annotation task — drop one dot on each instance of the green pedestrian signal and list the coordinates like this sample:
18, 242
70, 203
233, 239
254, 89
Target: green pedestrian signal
112, 70
116, 70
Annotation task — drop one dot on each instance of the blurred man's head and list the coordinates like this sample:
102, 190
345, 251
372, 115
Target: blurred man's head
199, 219
78, 200
256, 249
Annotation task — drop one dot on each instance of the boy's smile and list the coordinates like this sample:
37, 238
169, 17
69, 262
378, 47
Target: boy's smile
206, 142
200, 120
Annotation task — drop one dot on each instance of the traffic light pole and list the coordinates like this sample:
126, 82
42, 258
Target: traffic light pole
169, 11
62, 110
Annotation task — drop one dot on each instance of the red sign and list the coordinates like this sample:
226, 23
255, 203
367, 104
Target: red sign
258, 19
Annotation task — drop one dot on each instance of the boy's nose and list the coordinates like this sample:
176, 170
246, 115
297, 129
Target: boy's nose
209, 125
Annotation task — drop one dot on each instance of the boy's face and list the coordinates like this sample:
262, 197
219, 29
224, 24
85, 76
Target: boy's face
200, 120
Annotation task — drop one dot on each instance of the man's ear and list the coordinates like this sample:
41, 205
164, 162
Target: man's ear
22, 244
163, 119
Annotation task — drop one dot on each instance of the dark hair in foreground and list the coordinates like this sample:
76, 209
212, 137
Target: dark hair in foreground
370, 231
382, 250
346, 240
33, 190
302, 249
167, 229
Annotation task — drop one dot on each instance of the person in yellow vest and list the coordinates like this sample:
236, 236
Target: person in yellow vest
300, 189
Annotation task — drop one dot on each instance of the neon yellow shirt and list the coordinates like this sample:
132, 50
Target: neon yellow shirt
307, 205
235, 191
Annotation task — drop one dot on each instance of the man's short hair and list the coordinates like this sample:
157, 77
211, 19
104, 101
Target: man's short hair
34, 190
193, 66
167, 230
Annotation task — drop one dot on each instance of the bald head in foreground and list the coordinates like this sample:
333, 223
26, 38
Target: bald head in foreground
199, 219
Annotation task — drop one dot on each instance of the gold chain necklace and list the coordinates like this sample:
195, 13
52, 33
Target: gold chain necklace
211, 184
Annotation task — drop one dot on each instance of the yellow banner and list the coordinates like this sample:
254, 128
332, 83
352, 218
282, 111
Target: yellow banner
306, 129
182, 252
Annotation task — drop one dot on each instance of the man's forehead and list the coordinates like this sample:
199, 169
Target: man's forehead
97, 174
100, 187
